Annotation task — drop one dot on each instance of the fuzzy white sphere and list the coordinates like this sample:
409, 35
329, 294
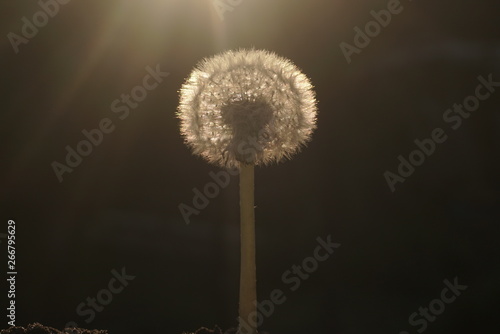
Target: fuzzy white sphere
246, 106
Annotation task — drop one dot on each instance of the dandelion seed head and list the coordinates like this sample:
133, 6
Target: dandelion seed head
246, 106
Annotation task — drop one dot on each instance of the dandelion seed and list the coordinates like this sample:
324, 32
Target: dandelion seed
248, 106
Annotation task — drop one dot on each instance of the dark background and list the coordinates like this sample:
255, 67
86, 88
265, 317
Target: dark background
119, 207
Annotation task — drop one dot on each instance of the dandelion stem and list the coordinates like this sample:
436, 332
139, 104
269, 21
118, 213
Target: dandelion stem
248, 292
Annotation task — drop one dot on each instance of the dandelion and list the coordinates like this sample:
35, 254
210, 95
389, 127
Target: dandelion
248, 106
243, 109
